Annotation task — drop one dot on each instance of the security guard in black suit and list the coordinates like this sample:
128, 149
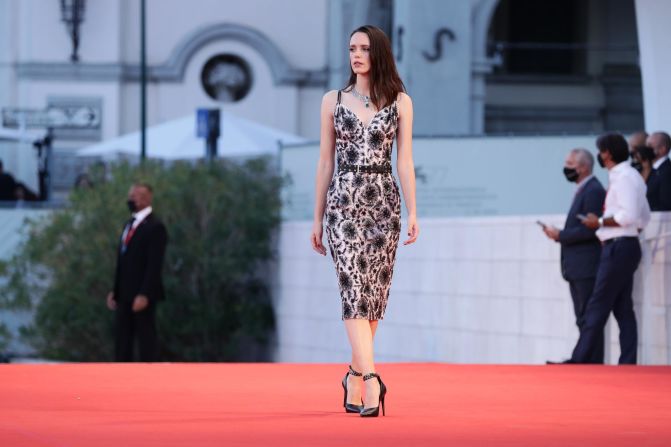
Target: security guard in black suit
138, 285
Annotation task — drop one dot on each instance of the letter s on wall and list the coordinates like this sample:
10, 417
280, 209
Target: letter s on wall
438, 44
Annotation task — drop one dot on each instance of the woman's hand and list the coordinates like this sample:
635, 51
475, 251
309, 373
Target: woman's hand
413, 229
316, 238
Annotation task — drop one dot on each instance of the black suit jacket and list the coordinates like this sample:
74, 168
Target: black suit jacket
138, 268
7, 186
659, 187
580, 248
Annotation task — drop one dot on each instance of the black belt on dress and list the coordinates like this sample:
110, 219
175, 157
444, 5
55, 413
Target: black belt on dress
619, 238
366, 169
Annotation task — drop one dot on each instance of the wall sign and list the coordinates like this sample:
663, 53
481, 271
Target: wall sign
71, 118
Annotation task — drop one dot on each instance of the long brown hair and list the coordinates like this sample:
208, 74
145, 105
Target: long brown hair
385, 83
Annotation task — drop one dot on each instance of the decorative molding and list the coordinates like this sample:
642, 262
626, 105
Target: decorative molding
174, 68
61, 71
482, 14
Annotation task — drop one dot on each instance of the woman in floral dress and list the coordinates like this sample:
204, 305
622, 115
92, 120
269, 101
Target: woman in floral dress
358, 200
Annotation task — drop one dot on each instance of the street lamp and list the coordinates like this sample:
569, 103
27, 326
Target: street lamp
72, 13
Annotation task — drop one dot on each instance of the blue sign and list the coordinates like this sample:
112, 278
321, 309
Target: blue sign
207, 123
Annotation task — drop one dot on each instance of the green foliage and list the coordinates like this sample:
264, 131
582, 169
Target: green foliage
5, 337
220, 219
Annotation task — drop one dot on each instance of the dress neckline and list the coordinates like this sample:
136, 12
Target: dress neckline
365, 126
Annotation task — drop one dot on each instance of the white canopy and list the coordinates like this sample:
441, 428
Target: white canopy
177, 139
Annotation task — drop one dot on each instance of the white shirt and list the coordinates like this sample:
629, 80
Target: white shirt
139, 217
625, 202
659, 162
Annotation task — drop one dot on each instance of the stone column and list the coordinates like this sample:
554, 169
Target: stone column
8, 35
654, 40
440, 49
344, 17
482, 64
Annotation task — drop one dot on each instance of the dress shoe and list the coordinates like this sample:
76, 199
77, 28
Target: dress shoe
350, 408
375, 411
565, 362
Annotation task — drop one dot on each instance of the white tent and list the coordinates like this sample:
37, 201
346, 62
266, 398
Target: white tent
177, 139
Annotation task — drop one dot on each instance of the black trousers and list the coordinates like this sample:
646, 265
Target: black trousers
131, 325
581, 290
612, 293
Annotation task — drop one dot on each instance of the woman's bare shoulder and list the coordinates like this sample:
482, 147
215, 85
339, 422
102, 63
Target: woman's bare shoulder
403, 98
329, 101
330, 97
404, 104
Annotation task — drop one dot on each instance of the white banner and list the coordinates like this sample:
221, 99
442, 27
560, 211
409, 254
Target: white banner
466, 176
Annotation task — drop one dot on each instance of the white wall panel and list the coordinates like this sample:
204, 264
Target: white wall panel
457, 298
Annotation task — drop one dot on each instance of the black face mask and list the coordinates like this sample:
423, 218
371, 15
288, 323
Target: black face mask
571, 174
132, 207
600, 160
637, 165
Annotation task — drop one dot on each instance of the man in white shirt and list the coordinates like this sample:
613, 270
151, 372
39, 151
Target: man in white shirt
659, 182
626, 213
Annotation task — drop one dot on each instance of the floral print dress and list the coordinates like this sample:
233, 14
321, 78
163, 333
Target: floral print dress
363, 212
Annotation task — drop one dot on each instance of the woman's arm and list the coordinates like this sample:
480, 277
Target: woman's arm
404, 164
325, 168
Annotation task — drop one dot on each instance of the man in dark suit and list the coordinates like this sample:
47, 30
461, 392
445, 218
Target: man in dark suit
659, 181
580, 248
7, 185
137, 281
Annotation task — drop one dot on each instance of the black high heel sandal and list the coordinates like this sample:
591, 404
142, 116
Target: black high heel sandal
375, 411
350, 408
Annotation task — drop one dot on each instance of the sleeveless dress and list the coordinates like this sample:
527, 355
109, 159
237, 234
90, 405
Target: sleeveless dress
363, 212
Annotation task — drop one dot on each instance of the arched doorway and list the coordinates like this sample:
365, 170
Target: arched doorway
566, 66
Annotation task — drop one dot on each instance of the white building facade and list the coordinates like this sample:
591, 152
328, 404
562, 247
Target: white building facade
460, 61
286, 68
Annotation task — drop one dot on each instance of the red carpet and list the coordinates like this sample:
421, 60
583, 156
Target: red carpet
300, 405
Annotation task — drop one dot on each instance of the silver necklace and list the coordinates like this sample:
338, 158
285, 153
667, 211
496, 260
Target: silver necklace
364, 98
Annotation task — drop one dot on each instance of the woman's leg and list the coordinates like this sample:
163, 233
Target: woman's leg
360, 333
355, 384
373, 327
372, 386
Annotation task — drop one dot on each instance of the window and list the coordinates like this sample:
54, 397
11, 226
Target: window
226, 78
540, 37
